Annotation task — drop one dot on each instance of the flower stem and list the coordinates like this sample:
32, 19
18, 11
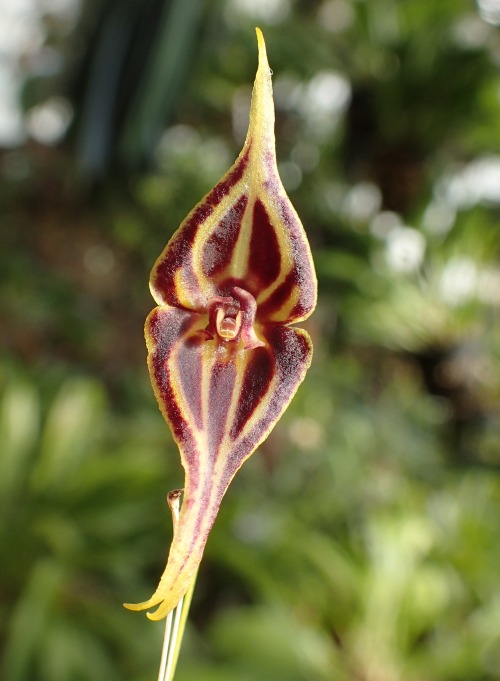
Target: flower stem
175, 622
166, 648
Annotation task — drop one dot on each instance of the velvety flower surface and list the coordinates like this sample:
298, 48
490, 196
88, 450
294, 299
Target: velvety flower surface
223, 358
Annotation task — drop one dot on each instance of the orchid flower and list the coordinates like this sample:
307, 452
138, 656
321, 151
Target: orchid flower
223, 358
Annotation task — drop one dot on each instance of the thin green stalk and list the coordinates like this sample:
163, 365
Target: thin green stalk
175, 622
184, 611
166, 648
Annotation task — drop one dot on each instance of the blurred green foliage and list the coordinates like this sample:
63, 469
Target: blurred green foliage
362, 541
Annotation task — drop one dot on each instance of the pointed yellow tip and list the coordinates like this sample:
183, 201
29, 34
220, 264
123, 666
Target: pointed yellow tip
144, 605
164, 607
262, 47
158, 615
134, 606
260, 135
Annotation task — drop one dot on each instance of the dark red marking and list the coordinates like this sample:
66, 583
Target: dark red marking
220, 246
278, 298
221, 388
258, 375
179, 251
290, 353
304, 269
225, 287
179, 255
291, 349
265, 258
303, 306
222, 188
167, 326
189, 371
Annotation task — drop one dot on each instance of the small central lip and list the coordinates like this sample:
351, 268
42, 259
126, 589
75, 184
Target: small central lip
227, 327
231, 319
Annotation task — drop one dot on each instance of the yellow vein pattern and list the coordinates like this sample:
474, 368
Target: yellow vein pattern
244, 231
223, 360
237, 409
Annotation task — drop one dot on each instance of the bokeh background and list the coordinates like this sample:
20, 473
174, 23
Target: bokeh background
362, 541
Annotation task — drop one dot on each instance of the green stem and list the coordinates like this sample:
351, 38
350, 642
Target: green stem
175, 622
184, 611
166, 648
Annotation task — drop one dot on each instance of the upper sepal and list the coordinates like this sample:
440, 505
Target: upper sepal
244, 232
